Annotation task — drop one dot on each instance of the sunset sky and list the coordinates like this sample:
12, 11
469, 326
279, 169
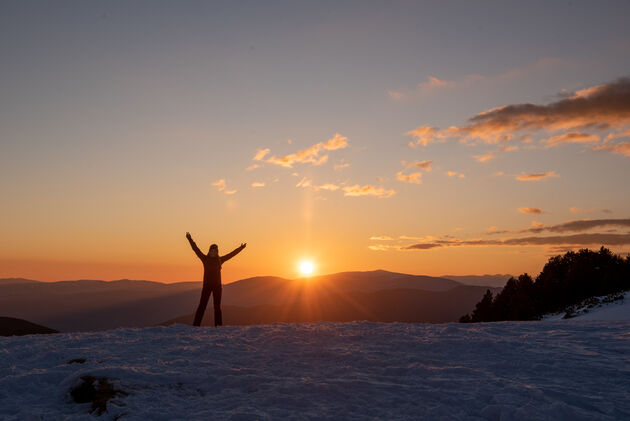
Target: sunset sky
421, 137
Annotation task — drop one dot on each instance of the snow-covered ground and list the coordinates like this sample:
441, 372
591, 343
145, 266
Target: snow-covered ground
616, 310
551, 370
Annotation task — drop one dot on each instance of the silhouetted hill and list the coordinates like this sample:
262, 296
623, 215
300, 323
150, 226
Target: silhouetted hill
392, 305
10, 326
97, 305
480, 280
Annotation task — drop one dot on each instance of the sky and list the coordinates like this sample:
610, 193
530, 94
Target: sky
420, 137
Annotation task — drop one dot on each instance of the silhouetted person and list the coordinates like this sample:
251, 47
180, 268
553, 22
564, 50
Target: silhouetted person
211, 279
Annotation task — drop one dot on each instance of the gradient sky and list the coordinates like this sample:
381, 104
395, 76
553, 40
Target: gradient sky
125, 124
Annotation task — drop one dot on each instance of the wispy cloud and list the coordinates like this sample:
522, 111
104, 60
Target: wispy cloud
573, 240
424, 165
571, 137
367, 190
580, 225
258, 184
530, 211
455, 174
260, 154
434, 83
536, 176
485, 157
396, 94
312, 155
341, 166
414, 178
222, 186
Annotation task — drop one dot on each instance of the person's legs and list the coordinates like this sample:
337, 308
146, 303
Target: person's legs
203, 302
216, 301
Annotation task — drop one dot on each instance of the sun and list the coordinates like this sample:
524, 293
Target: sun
306, 267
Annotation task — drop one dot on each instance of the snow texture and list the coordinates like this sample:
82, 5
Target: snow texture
551, 370
617, 310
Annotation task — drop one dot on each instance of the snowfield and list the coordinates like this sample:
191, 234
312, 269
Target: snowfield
551, 370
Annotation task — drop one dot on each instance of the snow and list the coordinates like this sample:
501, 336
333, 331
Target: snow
617, 310
551, 370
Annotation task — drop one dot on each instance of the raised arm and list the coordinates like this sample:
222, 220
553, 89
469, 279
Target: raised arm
194, 246
233, 253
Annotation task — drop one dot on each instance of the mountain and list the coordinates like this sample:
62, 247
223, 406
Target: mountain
97, 305
480, 280
10, 326
388, 305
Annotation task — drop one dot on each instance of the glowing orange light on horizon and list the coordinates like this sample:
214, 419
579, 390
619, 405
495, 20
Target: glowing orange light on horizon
306, 267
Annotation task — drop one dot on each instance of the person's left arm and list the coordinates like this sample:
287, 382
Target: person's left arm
233, 253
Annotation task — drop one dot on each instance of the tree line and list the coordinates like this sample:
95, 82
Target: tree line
564, 281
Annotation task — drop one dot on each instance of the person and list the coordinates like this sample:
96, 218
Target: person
211, 279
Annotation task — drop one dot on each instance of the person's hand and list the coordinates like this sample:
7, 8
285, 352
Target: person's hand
243, 245
188, 235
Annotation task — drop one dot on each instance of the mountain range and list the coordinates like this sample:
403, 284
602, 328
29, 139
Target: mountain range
88, 305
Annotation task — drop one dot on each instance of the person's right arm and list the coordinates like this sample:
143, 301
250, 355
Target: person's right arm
194, 246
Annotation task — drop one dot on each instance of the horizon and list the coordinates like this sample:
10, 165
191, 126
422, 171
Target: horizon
301, 277
326, 136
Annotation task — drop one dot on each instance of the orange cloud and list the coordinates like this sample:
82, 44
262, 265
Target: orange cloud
222, 186
485, 157
536, 176
434, 83
367, 190
258, 184
425, 165
455, 174
341, 166
530, 211
571, 137
423, 135
309, 155
600, 107
260, 154
415, 178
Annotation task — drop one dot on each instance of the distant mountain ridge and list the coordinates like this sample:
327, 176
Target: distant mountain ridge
98, 305
10, 326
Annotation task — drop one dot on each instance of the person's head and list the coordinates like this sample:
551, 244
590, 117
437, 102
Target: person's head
213, 251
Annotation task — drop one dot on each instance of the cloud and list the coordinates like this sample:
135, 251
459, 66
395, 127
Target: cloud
260, 154
536, 176
328, 186
396, 94
571, 137
252, 167
304, 182
423, 135
309, 155
599, 107
222, 186
530, 211
621, 148
573, 240
570, 119
455, 174
415, 178
580, 225
435, 83
341, 166
258, 184
424, 165
367, 190
485, 157
381, 238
